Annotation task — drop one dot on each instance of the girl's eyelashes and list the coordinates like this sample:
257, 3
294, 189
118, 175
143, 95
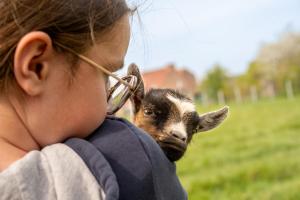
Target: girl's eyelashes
107, 83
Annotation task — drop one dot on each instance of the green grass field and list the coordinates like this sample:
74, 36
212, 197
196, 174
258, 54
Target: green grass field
254, 154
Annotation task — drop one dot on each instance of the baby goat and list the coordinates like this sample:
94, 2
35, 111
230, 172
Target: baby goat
170, 117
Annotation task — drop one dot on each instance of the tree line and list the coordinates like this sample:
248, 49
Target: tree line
274, 72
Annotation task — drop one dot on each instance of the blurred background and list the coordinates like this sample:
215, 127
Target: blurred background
245, 54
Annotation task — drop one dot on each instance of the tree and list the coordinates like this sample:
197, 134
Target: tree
216, 79
275, 64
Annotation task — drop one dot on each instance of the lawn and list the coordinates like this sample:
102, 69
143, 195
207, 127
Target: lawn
254, 154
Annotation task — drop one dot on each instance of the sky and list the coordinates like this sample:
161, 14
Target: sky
196, 34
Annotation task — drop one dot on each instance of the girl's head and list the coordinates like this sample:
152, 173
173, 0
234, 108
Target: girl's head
54, 94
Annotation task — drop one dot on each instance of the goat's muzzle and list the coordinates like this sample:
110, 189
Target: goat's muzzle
173, 147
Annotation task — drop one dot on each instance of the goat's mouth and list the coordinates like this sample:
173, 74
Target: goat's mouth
174, 148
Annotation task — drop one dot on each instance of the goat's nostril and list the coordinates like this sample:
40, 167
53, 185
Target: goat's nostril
178, 135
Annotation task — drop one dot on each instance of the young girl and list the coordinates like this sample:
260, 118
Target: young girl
53, 87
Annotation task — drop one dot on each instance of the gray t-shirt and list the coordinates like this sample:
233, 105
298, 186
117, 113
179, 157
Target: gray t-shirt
56, 172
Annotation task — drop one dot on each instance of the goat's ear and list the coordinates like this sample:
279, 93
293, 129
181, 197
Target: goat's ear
211, 120
138, 96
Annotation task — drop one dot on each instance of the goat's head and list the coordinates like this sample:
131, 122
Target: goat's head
170, 117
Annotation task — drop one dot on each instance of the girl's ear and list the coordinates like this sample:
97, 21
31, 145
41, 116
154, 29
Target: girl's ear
31, 62
211, 120
137, 98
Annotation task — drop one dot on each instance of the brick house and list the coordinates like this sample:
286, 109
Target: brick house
170, 77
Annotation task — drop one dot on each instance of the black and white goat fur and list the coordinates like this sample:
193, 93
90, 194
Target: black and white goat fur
170, 117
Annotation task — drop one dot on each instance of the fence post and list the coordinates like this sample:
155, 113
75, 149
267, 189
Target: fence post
237, 94
253, 93
204, 99
272, 91
221, 98
289, 89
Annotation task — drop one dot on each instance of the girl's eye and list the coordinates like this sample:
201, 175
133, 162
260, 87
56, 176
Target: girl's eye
148, 112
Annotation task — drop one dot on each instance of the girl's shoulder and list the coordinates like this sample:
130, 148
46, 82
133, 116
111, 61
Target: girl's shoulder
56, 172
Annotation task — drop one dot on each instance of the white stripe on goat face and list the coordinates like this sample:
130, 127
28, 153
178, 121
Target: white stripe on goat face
183, 106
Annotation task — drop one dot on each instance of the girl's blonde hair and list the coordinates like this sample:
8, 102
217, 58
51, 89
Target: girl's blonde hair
73, 23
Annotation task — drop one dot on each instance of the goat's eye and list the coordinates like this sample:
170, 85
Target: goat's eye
148, 112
